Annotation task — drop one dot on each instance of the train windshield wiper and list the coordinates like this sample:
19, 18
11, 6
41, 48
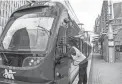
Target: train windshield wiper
2, 51
44, 29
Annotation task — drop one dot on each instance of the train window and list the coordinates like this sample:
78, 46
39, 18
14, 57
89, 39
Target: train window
118, 48
35, 34
29, 33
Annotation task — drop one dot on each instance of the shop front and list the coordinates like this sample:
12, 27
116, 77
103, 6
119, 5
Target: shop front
118, 45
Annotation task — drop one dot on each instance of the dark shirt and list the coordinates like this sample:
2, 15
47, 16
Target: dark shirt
86, 51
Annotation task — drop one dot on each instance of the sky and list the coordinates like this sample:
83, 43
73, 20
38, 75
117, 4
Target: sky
87, 11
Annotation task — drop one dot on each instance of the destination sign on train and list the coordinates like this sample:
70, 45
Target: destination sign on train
43, 4
44, 12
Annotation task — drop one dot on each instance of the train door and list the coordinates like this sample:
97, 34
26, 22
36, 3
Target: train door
61, 67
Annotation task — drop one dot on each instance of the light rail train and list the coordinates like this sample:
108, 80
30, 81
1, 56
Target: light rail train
33, 45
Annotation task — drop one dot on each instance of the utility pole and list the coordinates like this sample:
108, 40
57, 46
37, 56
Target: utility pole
111, 51
81, 28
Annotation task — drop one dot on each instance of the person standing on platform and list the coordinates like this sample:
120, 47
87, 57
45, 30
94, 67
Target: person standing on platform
83, 65
76, 57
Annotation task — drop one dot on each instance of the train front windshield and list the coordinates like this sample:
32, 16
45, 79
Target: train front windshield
28, 33
25, 43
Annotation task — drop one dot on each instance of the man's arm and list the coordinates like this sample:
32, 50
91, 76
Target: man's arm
85, 60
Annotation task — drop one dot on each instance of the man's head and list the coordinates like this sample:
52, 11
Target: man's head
72, 52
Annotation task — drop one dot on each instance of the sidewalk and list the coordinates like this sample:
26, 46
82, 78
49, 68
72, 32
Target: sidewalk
105, 73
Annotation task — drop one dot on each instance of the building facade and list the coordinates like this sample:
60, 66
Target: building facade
97, 25
7, 7
97, 31
101, 29
109, 29
117, 28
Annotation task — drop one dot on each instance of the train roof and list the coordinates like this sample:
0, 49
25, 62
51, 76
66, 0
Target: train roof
38, 4
71, 12
63, 4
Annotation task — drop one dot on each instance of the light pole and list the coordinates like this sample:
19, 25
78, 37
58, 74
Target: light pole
111, 53
80, 24
81, 27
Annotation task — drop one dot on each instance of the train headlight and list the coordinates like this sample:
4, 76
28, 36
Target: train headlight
32, 61
30, 64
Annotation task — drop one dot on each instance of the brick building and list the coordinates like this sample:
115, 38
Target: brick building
109, 11
7, 7
101, 28
117, 28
